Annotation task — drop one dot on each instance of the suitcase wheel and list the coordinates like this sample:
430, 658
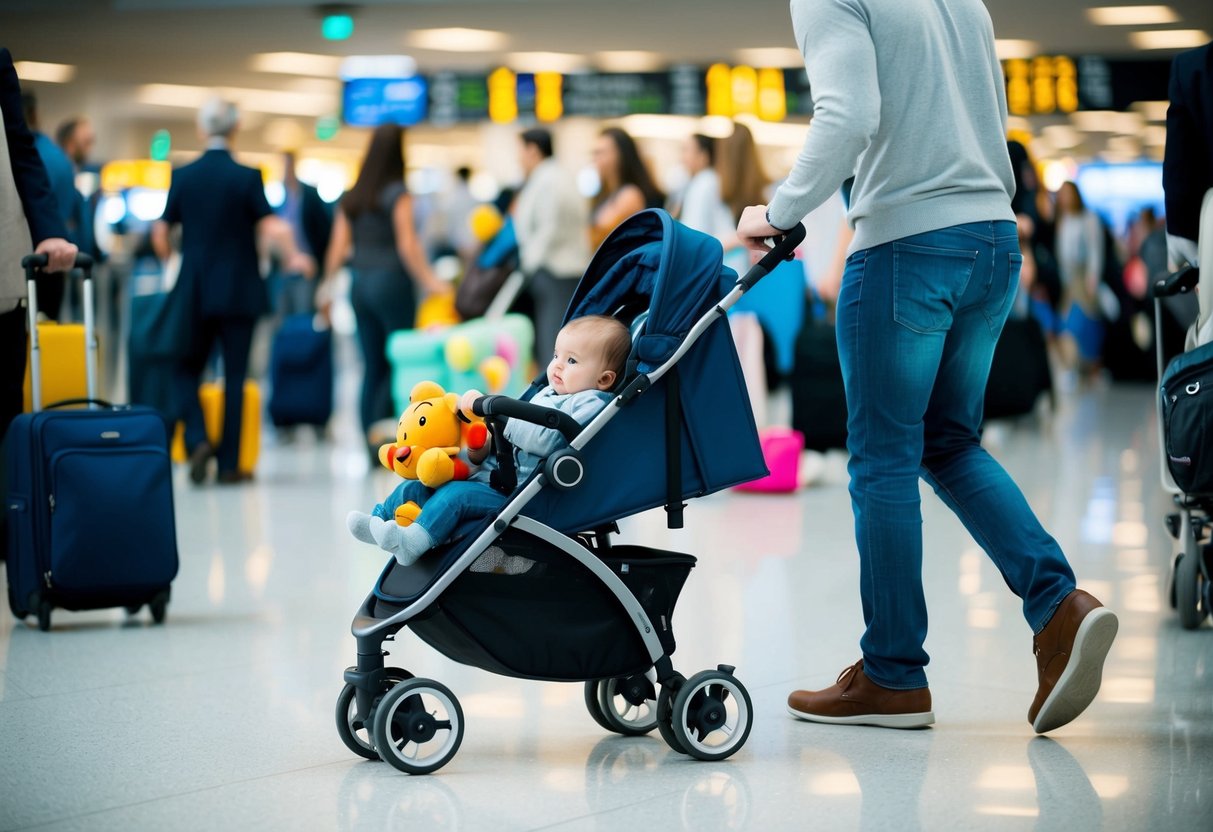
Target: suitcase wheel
13, 605
44, 615
159, 607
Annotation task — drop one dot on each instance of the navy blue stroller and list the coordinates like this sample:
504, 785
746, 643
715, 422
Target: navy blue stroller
540, 591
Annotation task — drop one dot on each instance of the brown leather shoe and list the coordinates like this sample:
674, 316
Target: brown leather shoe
1070, 653
856, 700
234, 477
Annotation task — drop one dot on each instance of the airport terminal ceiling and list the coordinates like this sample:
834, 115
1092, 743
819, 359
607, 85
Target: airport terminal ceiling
209, 41
143, 65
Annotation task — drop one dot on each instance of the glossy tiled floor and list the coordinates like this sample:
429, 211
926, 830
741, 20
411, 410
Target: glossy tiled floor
223, 718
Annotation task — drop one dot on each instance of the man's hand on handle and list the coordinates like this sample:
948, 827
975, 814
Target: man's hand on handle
754, 231
60, 254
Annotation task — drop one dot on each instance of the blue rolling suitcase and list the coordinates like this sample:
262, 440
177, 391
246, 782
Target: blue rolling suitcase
90, 498
301, 373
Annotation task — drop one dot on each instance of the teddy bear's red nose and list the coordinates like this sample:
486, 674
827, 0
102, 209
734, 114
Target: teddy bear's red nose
402, 453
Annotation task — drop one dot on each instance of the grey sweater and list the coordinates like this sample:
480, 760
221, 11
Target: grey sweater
908, 96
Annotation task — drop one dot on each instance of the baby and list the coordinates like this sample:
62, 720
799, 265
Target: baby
588, 361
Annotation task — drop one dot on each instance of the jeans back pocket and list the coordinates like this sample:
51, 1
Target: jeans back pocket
928, 284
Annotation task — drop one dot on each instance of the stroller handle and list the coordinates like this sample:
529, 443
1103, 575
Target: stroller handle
1179, 283
543, 416
783, 249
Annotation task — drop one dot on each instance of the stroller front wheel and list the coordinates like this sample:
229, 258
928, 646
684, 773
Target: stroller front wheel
712, 715
629, 704
418, 726
354, 732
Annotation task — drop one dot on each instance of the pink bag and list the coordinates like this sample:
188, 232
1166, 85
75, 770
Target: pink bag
781, 449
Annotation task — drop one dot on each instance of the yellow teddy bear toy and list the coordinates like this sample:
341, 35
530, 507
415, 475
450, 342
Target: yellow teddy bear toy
429, 437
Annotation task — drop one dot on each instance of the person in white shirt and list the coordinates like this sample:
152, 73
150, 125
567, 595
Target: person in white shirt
699, 205
549, 220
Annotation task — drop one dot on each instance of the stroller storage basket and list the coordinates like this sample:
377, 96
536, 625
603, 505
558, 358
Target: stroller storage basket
1187, 419
527, 609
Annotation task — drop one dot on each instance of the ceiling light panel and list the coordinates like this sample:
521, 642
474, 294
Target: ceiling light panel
297, 63
1131, 15
1006, 48
628, 61
457, 39
545, 61
48, 73
1169, 39
774, 56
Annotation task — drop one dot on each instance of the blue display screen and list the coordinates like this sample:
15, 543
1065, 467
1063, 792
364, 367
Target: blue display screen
369, 102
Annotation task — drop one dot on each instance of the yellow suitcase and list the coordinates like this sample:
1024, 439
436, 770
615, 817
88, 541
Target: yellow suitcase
63, 364
210, 396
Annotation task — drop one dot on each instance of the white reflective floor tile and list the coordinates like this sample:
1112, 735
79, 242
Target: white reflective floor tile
223, 718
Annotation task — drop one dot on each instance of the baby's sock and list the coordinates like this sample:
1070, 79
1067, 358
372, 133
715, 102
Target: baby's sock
407, 543
359, 525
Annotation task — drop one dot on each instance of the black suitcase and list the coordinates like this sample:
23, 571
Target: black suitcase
1020, 371
89, 497
819, 401
301, 373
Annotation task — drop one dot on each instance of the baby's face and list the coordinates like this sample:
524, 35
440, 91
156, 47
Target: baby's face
577, 365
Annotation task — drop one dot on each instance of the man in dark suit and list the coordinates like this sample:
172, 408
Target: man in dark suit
1187, 168
222, 210
29, 218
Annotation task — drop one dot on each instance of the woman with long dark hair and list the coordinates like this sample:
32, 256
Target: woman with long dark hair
627, 186
387, 264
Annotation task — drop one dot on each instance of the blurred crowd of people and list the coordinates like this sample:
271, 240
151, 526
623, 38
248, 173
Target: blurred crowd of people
1086, 287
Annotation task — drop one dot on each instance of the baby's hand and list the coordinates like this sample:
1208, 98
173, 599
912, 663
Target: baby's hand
465, 403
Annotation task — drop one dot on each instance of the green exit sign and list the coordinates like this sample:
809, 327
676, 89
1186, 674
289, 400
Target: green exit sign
162, 143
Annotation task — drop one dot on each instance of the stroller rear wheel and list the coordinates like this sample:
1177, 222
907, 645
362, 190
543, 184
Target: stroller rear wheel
712, 715
665, 719
1190, 591
354, 732
592, 703
629, 704
418, 726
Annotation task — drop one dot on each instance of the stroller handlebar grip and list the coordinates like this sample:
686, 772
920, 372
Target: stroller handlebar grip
1179, 283
546, 417
784, 248
39, 261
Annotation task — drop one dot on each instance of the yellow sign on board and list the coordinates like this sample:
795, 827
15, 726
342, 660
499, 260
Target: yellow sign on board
124, 174
1041, 86
549, 96
503, 96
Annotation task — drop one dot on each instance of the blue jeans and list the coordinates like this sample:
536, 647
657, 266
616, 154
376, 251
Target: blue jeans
448, 513
918, 319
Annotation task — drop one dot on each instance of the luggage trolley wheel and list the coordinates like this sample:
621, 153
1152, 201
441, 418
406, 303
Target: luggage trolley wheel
417, 726
1190, 591
628, 704
712, 714
355, 733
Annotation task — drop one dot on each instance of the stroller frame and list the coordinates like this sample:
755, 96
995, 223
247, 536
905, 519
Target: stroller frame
397, 712
1191, 578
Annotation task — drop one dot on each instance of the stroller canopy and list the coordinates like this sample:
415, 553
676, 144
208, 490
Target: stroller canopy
652, 263
658, 264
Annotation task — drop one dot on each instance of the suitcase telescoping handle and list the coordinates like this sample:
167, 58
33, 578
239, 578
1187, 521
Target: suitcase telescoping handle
84, 263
